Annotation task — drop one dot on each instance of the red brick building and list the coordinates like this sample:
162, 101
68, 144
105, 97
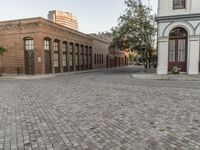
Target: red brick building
39, 46
118, 58
101, 52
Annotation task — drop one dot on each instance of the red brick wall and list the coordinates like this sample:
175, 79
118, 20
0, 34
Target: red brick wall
12, 34
118, 58
100, 49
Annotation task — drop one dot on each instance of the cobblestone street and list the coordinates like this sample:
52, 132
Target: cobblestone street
101, 110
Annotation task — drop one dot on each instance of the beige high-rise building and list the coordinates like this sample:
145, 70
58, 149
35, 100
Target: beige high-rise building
66, 19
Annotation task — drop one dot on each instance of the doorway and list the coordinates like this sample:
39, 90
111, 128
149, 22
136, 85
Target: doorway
178, 49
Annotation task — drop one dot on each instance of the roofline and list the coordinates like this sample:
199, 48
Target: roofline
177, 17
20, 19
46, 20
92, 37
99, 39
84, 34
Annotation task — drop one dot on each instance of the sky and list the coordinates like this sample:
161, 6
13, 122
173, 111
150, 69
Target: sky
93, 15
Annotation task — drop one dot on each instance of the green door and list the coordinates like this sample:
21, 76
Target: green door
29, 62
47, 62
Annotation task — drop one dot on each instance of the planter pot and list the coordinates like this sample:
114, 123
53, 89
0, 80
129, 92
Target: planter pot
175, 72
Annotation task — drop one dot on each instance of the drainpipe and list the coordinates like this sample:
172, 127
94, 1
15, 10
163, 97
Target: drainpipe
190, 7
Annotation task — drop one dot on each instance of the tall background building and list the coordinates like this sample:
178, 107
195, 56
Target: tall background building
63, 18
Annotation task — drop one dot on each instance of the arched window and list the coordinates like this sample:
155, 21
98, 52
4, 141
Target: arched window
65, 52
82, 57
29, 44
47, 51
56, 56
71, 49
29, 55
178, 33
46, 45
179, 4
77, 56
90, 57
86, 56
178, 48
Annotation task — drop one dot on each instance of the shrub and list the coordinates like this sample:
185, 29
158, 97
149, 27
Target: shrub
2, 50
176, 70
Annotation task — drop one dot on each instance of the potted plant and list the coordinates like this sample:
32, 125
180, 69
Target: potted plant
176, 70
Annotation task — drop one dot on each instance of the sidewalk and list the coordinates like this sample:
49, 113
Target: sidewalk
79, 72
26, 77
43, 76
179, 77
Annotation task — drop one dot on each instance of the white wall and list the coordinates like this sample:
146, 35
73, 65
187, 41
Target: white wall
162, 67
191, 25
193, 55
193, 29
165, 8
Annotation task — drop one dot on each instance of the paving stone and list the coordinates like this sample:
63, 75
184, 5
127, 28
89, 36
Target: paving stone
101, 110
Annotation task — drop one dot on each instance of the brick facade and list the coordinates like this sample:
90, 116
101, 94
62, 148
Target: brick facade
100, 52
14, 35
118, 58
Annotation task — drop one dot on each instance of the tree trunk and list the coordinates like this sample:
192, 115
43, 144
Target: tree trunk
145, 60
150, 57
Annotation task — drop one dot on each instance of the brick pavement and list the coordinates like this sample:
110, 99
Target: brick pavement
103, 110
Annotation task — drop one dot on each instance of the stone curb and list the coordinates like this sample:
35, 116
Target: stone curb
87, 71
167, 77
25, 77
32, 77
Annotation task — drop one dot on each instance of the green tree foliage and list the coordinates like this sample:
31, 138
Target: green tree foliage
136, 30
2, 50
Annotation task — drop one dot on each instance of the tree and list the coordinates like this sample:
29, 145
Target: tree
136, 30
2, 51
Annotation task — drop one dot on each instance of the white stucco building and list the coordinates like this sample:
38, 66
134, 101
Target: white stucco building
178, 35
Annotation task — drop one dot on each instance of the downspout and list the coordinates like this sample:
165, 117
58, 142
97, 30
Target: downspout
190, 7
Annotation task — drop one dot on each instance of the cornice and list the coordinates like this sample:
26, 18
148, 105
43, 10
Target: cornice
185, 17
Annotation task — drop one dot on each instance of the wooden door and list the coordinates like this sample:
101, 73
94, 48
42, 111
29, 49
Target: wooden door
56, 62
47, 61
64, 62
178, 54
29, 62
177, 50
